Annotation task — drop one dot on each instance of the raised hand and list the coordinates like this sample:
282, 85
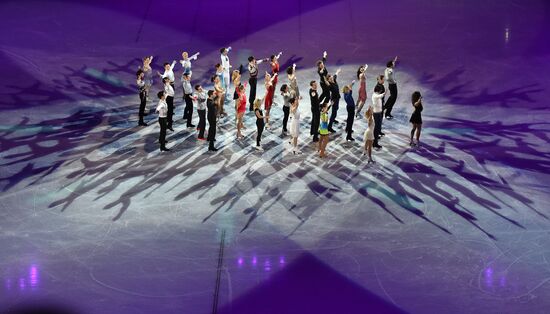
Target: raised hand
324, 54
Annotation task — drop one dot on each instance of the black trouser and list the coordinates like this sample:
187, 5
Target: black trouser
325, 95
260, 126
286, 111
252, 82
162, 135
349, 120
143, 101
211, 133
188, 110
333, 113
315, 121
170, 103
377, 126
391, 100
202, 122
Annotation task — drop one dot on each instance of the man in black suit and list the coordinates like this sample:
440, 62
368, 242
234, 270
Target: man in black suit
315, 111
211, 106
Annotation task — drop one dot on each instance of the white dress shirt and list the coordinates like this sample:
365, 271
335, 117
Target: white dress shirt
225, 63
162, 108
377, 102
170, 73
201, 100
169, 90
187, 88
390, 78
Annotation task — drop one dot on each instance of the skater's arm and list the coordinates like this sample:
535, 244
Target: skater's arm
273, 78
418, 102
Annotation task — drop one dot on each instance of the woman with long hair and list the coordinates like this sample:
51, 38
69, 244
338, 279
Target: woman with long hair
147, 74
294, 124
219, 94
323, 130
241, 108
268, 99
236, 79
416, 117
259, 122
362, 97
369, 134
291, 71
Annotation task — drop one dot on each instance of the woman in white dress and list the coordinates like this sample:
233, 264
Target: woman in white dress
369, 134
294, 124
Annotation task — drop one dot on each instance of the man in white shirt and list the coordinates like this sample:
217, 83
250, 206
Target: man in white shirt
377, 113
169, 72
169, 94
188, 97
253, 80
226, 81
200, 96
392, 86
162, 109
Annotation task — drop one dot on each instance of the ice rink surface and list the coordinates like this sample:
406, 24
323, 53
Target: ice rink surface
94, 217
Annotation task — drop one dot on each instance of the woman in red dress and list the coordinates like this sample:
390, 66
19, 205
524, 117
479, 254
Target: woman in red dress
241, 108
274, 59
362, 89
270, 92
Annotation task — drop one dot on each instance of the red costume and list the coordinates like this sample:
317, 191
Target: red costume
269, 96
242, 100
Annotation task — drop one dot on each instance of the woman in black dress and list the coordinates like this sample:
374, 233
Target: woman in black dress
416, 118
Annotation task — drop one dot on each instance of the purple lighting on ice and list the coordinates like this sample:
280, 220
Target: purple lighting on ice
489, 277
33, 276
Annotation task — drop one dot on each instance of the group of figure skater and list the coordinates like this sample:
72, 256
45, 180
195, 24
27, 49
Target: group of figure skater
210, 104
